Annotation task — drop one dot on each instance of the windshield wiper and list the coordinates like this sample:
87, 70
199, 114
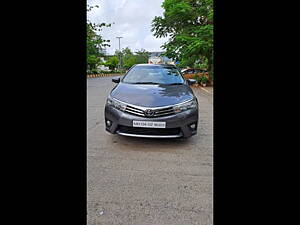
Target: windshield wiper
146, 83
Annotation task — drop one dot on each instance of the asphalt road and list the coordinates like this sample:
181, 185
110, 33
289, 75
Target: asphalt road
135, 181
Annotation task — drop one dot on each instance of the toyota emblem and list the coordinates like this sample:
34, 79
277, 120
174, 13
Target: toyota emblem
149, 112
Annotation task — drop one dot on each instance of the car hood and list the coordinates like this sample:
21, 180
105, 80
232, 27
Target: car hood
148, 95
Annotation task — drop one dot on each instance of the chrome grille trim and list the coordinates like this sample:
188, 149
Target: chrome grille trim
134, 108
133, 112
163, 114
165, 110
158, 111
153, 108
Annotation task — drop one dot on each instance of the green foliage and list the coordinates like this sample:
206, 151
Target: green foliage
126, 52
104, 72
189, 25
127, 58
112, 62
142, 56
202, 64
92, 61
118, 71
204, 79
110, 72
186, 62
197, 78
95, 71
129, 61
95, 42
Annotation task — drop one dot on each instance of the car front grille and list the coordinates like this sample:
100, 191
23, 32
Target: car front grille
164, 112
135, 111
157, 112
149, 131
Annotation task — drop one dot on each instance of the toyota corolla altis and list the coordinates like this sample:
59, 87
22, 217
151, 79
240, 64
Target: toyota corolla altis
152, 101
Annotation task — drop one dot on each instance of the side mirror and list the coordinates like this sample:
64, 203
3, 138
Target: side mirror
116, 80
191, 81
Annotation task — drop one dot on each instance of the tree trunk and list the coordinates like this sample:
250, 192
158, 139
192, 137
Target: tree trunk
210, 67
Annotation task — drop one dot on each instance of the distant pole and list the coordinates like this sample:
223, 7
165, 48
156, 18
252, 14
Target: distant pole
120, 59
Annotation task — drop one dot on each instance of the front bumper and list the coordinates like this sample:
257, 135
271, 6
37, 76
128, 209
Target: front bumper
176, 125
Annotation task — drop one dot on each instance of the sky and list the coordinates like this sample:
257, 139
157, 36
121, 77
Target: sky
132, 21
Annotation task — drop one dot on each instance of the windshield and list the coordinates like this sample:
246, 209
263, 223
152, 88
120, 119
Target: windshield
153, 75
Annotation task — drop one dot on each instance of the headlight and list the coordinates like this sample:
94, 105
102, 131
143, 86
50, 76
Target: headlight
186, 106
116, 104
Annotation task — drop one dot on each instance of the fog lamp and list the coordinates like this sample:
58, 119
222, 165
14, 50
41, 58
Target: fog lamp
193, 126
108, 123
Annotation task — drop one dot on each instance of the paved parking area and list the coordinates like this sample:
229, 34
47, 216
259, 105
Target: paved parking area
135, 181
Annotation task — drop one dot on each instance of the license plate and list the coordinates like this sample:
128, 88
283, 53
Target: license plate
149, 124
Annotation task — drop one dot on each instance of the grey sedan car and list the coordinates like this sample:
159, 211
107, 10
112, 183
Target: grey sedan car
152, 101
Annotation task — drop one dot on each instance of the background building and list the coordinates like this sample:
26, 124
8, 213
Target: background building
157, 58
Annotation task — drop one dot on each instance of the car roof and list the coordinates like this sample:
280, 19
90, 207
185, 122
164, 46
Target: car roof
147, 64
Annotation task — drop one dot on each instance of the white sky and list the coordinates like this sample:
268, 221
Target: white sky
132, 21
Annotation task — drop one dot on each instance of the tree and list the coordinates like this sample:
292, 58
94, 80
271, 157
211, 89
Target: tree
142, 56
127, 57
189, 25
129, 61
186, 62
112, 62
95, 42
126, 52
